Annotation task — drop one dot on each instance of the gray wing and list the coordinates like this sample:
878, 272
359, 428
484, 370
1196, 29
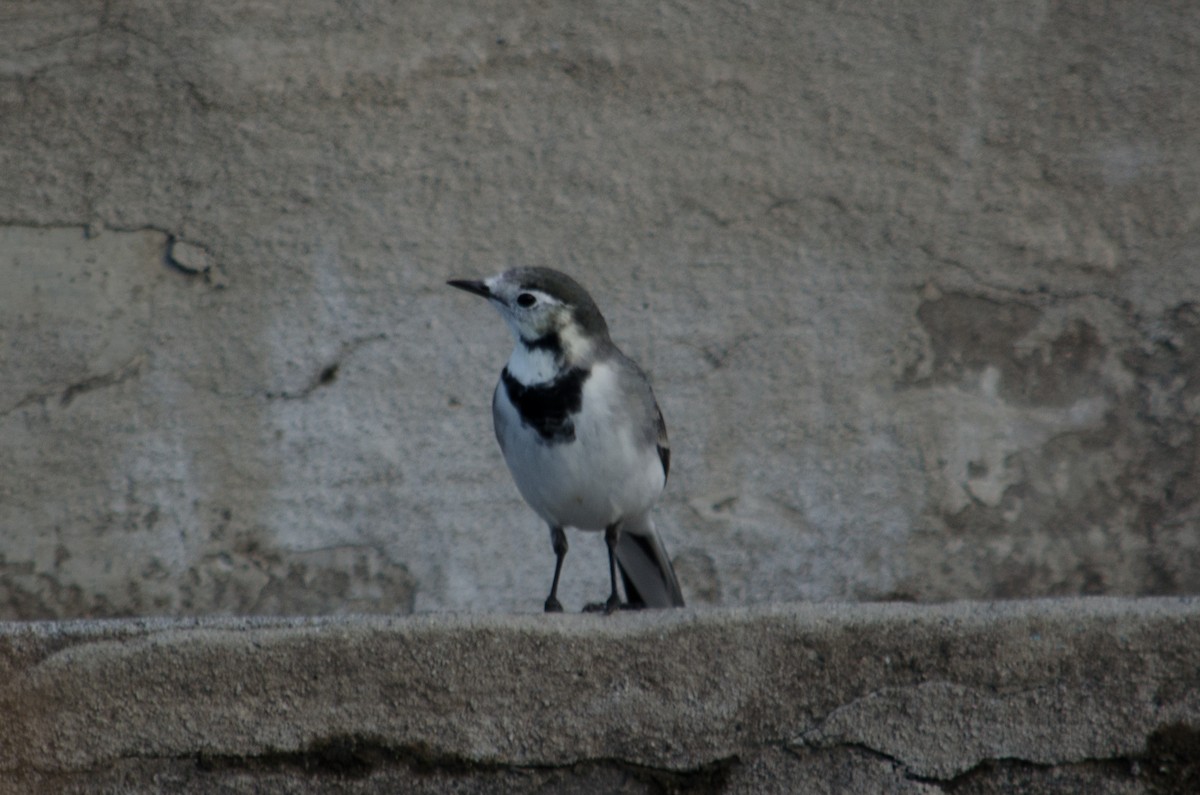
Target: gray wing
645, 410
664, 446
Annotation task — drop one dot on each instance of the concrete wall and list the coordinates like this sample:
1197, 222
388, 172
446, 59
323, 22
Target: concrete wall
1066, 696
918, 288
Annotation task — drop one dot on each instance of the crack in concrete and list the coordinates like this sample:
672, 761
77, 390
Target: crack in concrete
1168, 763
328, 372
1127, 766
1035, 296
820, 736
67, 395
181, 255
112, 378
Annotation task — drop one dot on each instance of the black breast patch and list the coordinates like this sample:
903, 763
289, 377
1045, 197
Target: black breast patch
548, 408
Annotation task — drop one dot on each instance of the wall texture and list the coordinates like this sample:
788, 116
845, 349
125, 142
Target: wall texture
919, 291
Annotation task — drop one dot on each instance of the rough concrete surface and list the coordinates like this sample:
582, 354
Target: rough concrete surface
917, 286
1097, 696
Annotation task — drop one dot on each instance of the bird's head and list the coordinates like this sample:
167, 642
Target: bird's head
544, 309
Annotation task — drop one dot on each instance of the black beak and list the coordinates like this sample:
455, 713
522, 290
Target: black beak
476, 287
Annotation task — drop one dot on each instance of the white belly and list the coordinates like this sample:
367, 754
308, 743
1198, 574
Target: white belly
605, 474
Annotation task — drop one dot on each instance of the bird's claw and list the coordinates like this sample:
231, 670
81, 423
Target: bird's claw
607, 607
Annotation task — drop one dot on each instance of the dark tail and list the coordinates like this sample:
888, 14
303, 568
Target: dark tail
645, 568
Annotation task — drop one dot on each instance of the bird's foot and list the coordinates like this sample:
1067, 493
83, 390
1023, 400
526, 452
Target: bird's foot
608, 607
553, 605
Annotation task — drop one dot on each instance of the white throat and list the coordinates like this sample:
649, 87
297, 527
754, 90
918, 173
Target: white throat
539, 365
532, 366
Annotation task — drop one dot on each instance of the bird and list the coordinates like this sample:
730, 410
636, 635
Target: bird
581, 431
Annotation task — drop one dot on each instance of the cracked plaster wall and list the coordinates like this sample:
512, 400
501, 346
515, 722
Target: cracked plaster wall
918, 289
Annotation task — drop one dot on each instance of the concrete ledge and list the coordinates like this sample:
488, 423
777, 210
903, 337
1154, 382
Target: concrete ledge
1097, 695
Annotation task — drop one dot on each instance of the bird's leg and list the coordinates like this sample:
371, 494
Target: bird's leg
612, 534
558, 539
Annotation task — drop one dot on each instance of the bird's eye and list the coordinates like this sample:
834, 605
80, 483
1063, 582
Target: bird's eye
526, 300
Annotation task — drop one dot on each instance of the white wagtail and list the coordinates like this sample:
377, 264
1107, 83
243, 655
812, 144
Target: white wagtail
580, 430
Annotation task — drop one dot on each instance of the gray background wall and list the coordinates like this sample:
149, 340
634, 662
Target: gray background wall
918, 288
